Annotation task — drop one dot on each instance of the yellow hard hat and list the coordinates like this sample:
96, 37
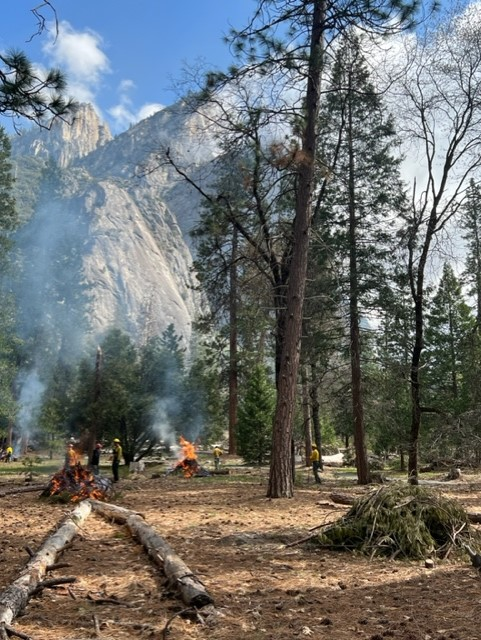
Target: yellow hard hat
116, 440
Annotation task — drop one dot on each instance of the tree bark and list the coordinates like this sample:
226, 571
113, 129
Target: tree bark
306, 414
315, 408
180, 577
281, 483
15, 597
362, 466
233, 375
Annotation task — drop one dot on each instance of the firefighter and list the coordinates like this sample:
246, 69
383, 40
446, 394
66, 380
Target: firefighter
116, 457
8, 454
71, 457
217, 452
95, 458
316, 463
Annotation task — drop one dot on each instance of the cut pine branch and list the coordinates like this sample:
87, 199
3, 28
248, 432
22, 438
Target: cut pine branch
346, 499
178, 574
16, 596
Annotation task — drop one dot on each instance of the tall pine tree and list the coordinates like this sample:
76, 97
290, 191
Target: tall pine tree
361, 200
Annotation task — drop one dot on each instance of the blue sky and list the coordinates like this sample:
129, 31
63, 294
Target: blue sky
122, 56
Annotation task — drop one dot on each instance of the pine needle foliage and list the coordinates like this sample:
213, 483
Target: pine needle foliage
398, 520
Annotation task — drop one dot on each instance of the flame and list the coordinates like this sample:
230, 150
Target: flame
188, 449
79, 482
188, 464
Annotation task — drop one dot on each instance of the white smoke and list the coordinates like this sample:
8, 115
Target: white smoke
30, 400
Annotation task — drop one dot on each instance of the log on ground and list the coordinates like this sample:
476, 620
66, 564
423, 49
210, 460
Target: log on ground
343, 498
179, 576
29, 489
15, 597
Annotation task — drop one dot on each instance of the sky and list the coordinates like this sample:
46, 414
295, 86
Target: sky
124, 57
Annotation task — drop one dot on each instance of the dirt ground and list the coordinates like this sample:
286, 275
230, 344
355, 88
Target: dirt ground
237, 542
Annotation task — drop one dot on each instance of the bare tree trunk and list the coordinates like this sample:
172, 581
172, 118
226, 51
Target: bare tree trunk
415, 416
280, 480
306, 414
92, 440
233, 347
315, 405
417, 290
362, 466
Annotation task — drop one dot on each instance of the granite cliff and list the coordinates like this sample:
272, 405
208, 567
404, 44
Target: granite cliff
105, 242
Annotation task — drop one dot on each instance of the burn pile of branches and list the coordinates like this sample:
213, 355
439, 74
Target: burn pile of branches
188, 465
400, 521
78, 483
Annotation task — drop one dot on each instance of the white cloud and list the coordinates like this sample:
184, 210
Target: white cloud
149, 109
124, 114
80, 55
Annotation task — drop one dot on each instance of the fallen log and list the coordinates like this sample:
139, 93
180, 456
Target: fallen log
343, 498
15, 597
30, 488
475, 518
114, 512
179, 576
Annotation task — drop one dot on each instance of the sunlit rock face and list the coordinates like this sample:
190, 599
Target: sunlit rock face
67, 140
106, 243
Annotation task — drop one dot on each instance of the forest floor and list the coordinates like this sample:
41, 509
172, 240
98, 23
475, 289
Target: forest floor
238, 543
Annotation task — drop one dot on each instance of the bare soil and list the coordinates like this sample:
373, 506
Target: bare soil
245, 549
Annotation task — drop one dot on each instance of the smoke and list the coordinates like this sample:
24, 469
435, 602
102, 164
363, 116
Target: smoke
170, 421
48, 288
161, 422
31, 391
51, 303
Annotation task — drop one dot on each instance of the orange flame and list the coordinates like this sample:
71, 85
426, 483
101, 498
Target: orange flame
188, 449
79, 482
188, 464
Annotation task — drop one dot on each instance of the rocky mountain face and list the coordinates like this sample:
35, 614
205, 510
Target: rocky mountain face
107, 240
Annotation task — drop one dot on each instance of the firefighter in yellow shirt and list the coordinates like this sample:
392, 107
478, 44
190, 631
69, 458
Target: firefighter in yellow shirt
217, 452
116, 457
316, 463
71, 456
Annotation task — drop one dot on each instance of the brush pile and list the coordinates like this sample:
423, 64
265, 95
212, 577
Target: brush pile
77, 483
400, 521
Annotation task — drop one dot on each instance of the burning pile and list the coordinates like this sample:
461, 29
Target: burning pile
189, 464
78, 482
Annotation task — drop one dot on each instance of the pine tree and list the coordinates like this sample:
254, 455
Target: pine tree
471, 223
26, 93
9, 342
256, 412
360, 202
449, 324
